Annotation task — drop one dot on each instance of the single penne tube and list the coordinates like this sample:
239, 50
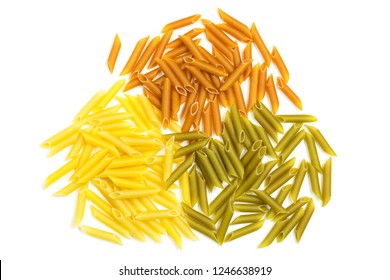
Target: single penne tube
251, 153
160, 48
218, 44
250, 218
201, 78
216, 115
101, 234
116, 46
211, 59
249, 198
143, 141
192, 47
185, 188
162, 63
225, 222
116, 126
261, 45
278, 183
218, 165
288, 92
99, 202
296, 118
139, 47
311, 147
327, 182
244, 230
222, 60
80, 207
292, 222
254, 162
234, 76
314, 181
132, 161
283, 156
204, 66
235, 23
288, 137
148, 230
248, 141
238, 128
296, 187
168, 162
159, 214
279, 63
262, 82
229, 133
273, 96
117, 142
172, 232
269, 117
292, 209
99, 142
128, 183
225, 159
145, 56
247, 56
192, 34
108, 119
63, 170
235, 160
62, 136
270, 201
280, 198
253, 86
201, 218
273, 233
278, 172
181, 75
182, 225
110, 94
223, 197
196, 225
304, 220
95, 170
181, 23
133, 193
110, 222
250, 131
202, 193
89, 106
266, 142
219, 213
68, 189
88, 164
179, 171
191, 148
269, 128
184, 136
235, 33
211, 27
239, 98
193, 181
255, 208
320, 139
203, 160
84, 156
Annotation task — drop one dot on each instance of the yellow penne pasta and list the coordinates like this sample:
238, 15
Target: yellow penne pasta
62, 136
89, 106
159, 214
60, 172
101, 234
110, 94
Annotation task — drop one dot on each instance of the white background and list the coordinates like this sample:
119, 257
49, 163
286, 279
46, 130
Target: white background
53, 58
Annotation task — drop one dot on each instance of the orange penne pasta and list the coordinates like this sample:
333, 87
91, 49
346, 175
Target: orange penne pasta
230, 96
239, 99
171, 75
207, 120
193, 48
192, 34
253, 86
209, 57
200, 103
262, 82
152, 98
222, 95
288, 92
136, 82
210, 26
181, 23
116, 46
166, 103
181, 75
223, 60
160, 48
175, 105
235, 23
236, 57
144, 58
204, 66
234, 76
191, 98
260, 45
202, 79
139, 47
247, 55
217, 43
216, 116
273, 97
279, 63
149, 84
234, 32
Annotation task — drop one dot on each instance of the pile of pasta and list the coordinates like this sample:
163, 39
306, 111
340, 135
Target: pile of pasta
141, 181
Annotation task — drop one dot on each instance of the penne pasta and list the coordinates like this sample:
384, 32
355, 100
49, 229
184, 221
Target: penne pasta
235, 23
327, 182
181, 23
311, 147
260, 45
304, 220
296, 187
253, 86
135, 55
320, 139
279, 63
288, 92
146, 55
296, 118
273, 97
101, 234
116, 46
244, 230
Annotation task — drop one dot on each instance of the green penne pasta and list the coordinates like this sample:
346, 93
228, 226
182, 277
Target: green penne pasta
311, 147
193, 181
252, 164
235, 114
296, 187
252, 180
183, 136
251, 152
269, 116
213, 147
290, 134
320, 139
292, 208
202, 159
314, 182
327, 182
202, 192
225, 159
244, 231
241, 207
274, 175
265, 124
203, 219
270, 201
226, 137
292, 222
296, 118
247, 139
191, 148
273, 233
219, 213
291, 146
225, 222
201, 228
272, 187
250, 218
228, 124
280, 198
218, 166
266, 142
250, 129
249, 198
235, 160
179, 171
304, 220
223, 196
